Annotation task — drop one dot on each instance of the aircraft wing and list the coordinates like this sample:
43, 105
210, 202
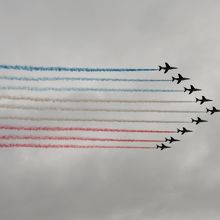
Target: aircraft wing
167, 65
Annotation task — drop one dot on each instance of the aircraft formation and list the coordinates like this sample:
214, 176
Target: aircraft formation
190, 90
25, 103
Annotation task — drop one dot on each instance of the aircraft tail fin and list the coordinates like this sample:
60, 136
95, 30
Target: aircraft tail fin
185, 89
193, 120
173, 78
178, 130
160, 68
158, 146
197, 99
166, 139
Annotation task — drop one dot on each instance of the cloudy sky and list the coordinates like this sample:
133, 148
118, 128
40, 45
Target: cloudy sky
182, 183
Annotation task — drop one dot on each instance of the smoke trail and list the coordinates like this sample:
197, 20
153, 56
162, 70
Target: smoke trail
38, 79
70, 146
20, 128
64, 138
72, 89
38, 99
89, 120
74, 69
42, 108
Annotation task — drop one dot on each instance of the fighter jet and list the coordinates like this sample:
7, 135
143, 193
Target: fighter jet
163, 146
183, 131
212, 111
179, 79
203, 99
171, 140
199, 120
192, 89
166, 68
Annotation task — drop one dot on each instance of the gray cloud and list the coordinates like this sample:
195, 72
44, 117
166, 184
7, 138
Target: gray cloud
182, 183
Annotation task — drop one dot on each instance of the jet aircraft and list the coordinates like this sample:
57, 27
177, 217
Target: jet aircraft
179, 79
171, 140
163, 146
166, 68
192, 89
199, 120
213, 110
183, 131
203, 99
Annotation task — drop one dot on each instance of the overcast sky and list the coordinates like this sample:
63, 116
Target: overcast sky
182, 183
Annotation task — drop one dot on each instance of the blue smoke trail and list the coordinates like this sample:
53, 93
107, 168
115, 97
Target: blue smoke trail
39, 99
79, 79
73, 69
38, 89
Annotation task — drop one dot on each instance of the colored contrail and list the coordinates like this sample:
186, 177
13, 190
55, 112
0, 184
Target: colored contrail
72, 89
89, 120
65, 138
70, 146
39, 99
43, 108
38, 79
73, 69
23, 128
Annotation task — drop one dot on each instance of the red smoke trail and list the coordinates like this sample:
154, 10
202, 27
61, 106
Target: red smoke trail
8, 127
8, 137
70, 146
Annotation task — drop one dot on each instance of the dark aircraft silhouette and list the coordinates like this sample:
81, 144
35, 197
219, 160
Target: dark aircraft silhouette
199, 120
171, 140
179, 79
183, 131
163, 146
192, 89
203, 99
213, 110
166, 68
